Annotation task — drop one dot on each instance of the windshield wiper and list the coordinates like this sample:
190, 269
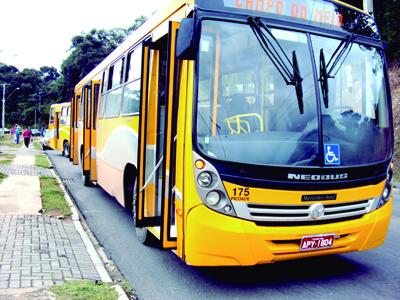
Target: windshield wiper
280, 62
326, 71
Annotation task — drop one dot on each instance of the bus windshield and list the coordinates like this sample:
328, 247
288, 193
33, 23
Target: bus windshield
248, 113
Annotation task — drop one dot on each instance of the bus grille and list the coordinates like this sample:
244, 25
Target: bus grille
302, 213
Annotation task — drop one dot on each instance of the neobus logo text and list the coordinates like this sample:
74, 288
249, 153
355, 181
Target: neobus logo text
325, 177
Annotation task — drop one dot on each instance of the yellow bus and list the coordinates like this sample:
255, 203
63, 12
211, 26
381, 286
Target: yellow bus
59, 127
244, 132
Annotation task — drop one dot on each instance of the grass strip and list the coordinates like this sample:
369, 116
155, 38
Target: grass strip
37, 145
9, 140
2, 177
6, 159
53, 197
41, 160
84, 289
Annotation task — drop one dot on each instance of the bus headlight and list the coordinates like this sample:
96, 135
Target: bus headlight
389, 176
210, 187
213, 198
204, 179
387, 191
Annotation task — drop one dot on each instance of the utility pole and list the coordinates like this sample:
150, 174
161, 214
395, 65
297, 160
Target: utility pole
3, 110
3, 117
368, 6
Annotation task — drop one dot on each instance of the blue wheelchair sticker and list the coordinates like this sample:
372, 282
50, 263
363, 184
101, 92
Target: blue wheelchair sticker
332, 154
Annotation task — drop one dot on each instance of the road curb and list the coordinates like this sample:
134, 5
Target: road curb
98, 263
94, 255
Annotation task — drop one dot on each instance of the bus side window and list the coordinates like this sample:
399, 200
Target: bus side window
52, 116
103, 97
68, 118
63, 115
114, 96
81, 106
131, 98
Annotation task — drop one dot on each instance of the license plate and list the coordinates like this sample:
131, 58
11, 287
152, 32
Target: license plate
317, 242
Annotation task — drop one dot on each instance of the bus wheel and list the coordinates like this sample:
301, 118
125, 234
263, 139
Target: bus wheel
65, 151
142, 234
85, 176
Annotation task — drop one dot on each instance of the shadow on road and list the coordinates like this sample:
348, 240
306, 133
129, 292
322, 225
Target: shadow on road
284, 273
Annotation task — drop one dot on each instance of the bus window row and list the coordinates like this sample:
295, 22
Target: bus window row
121, 86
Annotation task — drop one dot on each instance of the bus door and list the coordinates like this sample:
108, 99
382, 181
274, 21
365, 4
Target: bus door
57, 130
71, 129
156, 159
75, 139
86, 156
93, 121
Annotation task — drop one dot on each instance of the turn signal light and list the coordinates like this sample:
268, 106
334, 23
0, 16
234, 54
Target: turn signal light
200, 164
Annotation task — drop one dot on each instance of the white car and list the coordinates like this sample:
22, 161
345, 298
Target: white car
6, 130
44, 140
35, 132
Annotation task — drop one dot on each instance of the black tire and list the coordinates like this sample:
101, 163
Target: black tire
66, 149
85, 175
142, 234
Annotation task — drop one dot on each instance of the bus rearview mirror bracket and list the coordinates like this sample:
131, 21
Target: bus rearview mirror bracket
185, 43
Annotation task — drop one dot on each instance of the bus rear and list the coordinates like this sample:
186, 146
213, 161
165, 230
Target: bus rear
59, 127
288, 133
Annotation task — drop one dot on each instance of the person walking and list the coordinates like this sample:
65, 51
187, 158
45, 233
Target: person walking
18, 132
27, 136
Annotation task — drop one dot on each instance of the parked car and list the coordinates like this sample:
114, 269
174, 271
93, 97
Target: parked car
6, 130
35, 132
44, 140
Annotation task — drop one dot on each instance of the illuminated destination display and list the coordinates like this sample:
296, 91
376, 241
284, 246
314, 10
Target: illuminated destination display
309, 10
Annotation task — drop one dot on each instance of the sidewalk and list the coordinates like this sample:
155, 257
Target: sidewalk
36, 251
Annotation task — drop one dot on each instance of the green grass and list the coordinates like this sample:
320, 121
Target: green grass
53, 197
6, 159
41, 160
37, 145
2, 177
8, 140
84, 289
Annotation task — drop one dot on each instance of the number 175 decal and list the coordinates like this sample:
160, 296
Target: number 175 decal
241, 194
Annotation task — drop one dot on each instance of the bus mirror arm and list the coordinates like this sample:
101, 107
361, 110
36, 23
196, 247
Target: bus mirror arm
186, 41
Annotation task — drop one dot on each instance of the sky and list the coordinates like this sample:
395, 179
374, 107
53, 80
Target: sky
35, 33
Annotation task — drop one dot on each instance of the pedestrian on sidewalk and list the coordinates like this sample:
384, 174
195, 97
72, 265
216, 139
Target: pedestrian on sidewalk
27, 136
18, 132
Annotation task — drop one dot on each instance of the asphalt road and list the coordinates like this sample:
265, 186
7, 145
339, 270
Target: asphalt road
159, 274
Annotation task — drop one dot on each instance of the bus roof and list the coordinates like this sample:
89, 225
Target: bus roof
58, 106
168, 12
173, 10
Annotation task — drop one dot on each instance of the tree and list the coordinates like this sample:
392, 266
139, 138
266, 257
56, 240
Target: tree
138, 22
387, 14
88, 50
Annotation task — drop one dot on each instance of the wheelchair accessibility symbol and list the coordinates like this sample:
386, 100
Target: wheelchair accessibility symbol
332, 154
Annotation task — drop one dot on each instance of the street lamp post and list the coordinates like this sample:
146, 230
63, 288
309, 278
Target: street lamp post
4, 107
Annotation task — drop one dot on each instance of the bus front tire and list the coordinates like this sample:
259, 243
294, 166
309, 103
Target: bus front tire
85, 175
85, 179
65, 151
142, 234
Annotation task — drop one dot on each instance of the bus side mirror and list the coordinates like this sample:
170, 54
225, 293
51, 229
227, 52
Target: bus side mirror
185, 43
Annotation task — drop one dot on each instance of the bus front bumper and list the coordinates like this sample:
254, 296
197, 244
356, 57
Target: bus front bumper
213, 239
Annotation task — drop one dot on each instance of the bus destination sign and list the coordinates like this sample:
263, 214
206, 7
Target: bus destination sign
318, 11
